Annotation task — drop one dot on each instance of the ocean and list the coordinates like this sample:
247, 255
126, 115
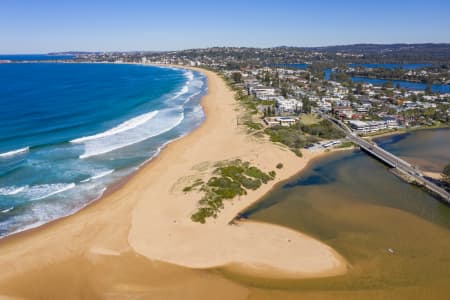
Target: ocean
33, 57
68, 131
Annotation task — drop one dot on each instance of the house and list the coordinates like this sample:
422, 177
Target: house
344, 103
283, 121
343, 112
288, 106
286, 121
324, 106
262, 92
391, 122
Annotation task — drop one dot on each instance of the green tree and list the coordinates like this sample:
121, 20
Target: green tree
359, 89
267, 78
388, 85
306, 105
237, 77
284, 90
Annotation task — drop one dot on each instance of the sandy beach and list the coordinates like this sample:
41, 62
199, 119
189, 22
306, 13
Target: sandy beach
139, 238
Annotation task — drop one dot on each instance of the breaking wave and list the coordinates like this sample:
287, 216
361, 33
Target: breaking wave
7, 210
15, 152
98, 176
127, 125
162, 122
11, 190
39, 192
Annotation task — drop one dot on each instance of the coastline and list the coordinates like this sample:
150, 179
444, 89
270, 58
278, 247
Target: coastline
125, 219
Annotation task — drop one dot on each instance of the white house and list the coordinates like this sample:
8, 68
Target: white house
288, 105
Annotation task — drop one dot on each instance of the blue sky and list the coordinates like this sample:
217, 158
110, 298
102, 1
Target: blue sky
38, 26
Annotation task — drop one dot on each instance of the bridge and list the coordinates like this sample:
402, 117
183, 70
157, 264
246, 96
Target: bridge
393, 161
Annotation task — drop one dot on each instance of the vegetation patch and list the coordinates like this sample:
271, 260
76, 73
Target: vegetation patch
229, 180
299, 135
446, 175
309, 119
192, 187
345, 145
324, 129
253, 125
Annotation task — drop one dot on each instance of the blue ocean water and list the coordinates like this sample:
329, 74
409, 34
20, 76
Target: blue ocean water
33, 57
67, 131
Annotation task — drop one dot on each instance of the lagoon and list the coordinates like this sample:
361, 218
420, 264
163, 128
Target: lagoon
353, 203
416, 86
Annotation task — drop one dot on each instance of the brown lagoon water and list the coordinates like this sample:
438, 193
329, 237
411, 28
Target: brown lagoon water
354, 204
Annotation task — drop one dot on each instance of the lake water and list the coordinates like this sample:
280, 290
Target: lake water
416, 86
392, 66
353, 203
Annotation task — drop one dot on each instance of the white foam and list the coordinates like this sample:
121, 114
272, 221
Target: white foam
125, 126
166, 120
36, 192
198, 109
45, 219
189, 75
191, 97
15, 152
39, 192
7, 210
99, 175
11, 190
183, 91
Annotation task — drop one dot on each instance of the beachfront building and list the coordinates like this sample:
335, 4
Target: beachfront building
288, 106
360, 127
262, 92
364, 127
277, 121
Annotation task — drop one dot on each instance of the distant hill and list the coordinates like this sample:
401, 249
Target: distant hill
235, 57
381, 48
73, 53
394, 52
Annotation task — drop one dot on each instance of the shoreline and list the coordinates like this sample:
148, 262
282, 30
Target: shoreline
124, 219
121, 181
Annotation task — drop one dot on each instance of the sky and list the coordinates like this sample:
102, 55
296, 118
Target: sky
41, 26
